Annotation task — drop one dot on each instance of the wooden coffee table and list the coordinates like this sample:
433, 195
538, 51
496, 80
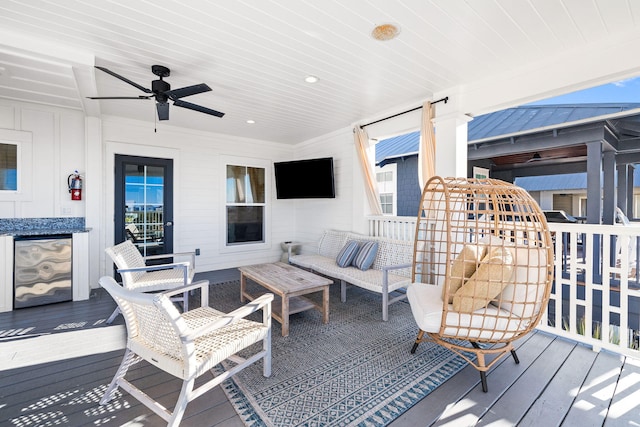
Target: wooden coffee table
290, 283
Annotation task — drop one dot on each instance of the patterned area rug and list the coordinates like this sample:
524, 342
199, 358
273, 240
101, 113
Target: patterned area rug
355, 370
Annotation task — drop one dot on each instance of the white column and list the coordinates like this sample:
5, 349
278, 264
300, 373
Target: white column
546, 200
451, 144
81, 284
6, 273
96, 199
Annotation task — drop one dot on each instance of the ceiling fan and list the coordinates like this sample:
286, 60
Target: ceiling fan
537, 157
162, 93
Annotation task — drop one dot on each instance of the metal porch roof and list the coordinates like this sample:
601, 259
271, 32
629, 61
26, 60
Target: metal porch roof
505, 122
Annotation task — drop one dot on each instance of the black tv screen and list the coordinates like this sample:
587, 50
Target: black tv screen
305, 179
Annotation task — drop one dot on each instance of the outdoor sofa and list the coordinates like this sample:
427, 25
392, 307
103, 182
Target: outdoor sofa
383, 270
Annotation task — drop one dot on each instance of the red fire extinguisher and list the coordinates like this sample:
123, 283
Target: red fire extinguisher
75, 185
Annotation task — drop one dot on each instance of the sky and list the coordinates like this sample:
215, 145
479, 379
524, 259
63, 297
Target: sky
627, 90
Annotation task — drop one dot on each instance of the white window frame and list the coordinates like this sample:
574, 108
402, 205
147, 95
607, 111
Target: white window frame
24, 160
389, 187
246, 162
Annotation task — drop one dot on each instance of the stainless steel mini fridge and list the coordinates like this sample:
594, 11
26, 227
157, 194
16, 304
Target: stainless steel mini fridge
42, 270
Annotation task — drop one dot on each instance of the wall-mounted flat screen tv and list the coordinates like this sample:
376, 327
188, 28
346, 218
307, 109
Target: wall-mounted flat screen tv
305, 179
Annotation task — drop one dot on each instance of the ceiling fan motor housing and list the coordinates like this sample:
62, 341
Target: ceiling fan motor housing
159, 87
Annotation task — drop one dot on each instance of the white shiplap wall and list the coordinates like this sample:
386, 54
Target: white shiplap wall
345, 212
199, 182
64, 140
57, 139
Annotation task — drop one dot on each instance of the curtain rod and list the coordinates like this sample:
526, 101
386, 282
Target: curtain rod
445, 99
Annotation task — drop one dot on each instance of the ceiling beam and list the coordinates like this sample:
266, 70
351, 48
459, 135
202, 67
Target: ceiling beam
539, 141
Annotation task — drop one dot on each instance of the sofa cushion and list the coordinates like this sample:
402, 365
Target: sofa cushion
347, 253
366, 255
463, 267
488, 281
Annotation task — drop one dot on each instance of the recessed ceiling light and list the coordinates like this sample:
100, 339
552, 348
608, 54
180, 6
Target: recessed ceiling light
311, 79
384, 32
251, 121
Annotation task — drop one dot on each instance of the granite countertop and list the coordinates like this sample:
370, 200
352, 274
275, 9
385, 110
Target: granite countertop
43, 232
41, 226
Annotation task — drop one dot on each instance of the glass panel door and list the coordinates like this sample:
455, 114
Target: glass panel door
143, 196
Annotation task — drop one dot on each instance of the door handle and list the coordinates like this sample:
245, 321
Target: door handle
169, 224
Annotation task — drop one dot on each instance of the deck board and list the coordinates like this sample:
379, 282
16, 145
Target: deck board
591, 405
624, 409
557, 380
552, 405
429, 410
475, 404
517, 400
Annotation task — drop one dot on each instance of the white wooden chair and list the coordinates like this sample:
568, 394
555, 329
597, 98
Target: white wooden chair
482, 268
186, 345
140, 277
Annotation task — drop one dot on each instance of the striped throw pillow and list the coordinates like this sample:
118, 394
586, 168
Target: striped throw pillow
347, 254
366, 255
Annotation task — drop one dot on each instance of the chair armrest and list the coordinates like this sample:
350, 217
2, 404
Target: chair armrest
185, 266
204, 291
385, 273
204, 284
173, 265
192, 255
386, 268
234, 316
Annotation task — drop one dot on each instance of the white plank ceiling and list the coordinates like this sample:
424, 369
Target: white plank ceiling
254, 54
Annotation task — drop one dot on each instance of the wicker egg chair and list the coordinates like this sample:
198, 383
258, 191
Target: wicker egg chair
482, 268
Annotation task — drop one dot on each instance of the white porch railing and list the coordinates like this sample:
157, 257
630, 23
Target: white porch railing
596, 294
393, 227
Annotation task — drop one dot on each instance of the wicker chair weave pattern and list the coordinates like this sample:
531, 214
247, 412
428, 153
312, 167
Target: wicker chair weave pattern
390, 255
158, 280
482, 266
331, 242
188, 344
155, 330
126, 255
498, 216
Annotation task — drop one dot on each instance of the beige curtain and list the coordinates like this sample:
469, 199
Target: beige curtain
361, 140
427, 149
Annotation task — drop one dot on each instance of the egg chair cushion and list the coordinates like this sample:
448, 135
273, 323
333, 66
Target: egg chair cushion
523, 296
487, 323
488, 281
463, 267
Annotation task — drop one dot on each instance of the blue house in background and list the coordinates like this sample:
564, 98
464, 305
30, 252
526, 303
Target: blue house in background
531, 146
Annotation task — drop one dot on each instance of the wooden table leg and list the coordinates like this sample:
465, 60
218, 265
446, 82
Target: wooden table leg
325, 305
285, 315
243, 284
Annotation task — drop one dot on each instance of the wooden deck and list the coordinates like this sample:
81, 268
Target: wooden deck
47, 380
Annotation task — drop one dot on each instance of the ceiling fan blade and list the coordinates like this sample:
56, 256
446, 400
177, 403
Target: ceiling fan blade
119, 97
124, 79
189, 105
163, 110
187, 91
